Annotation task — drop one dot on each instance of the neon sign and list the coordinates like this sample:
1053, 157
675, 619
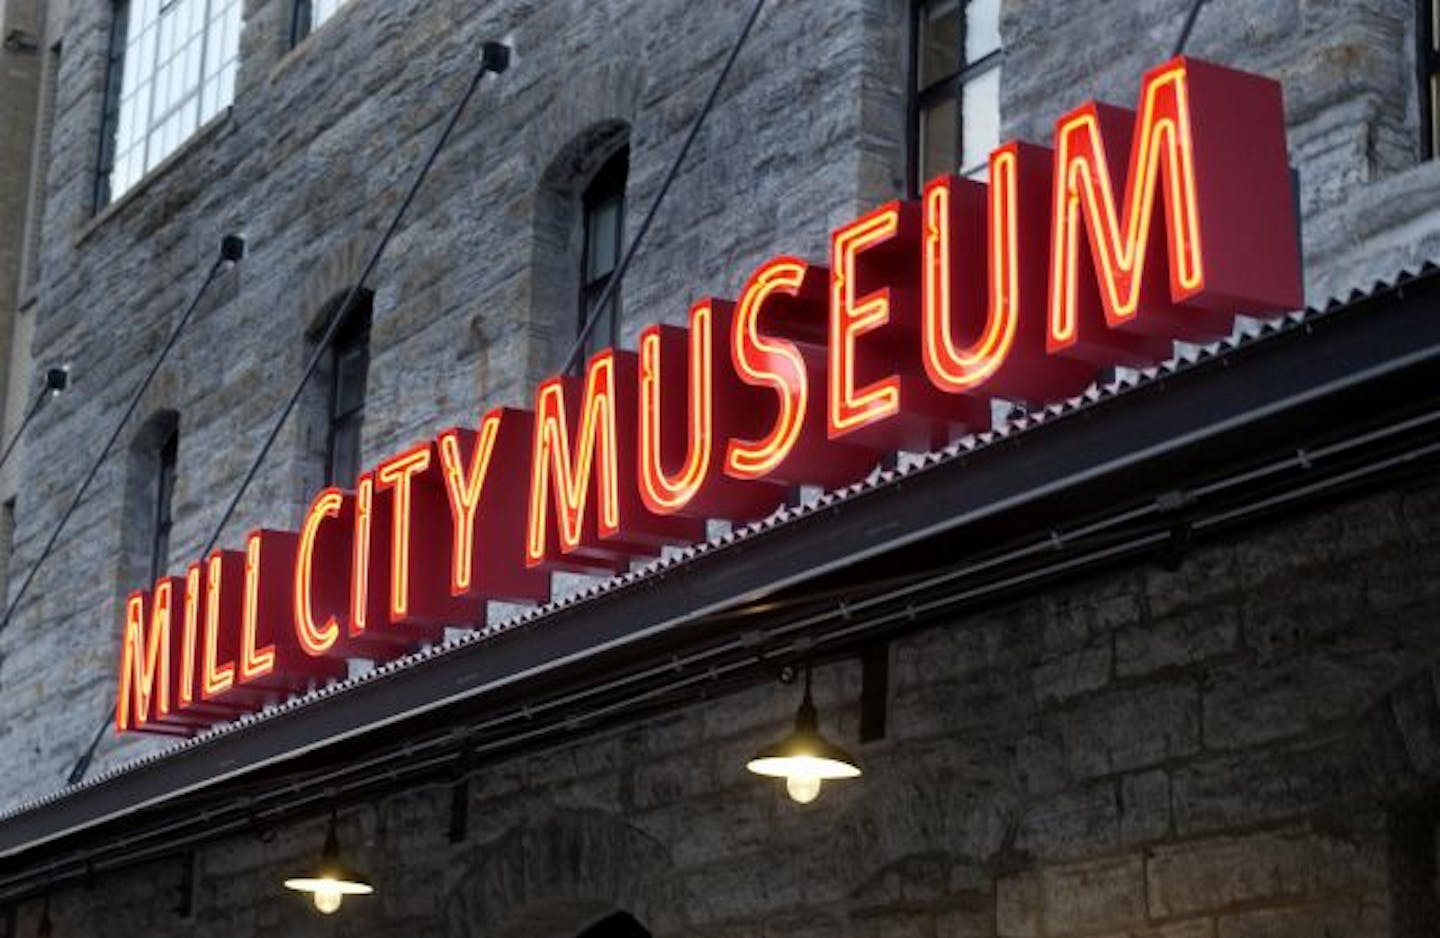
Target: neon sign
1137, 229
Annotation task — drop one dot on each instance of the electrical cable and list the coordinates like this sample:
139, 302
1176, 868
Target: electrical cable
494, 57
612, 286
1185, 30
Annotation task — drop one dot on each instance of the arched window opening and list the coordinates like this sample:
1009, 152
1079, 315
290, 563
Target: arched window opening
151, 480
578, 239
616, 925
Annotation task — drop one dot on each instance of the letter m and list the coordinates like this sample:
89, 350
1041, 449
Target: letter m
1210, 143
147, 671
576, 458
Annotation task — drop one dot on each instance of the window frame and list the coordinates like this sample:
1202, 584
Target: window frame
166, 475
110, 112
8, 522
606, 187
353, 335
950, 87
302, 19
152, 131
1427, 68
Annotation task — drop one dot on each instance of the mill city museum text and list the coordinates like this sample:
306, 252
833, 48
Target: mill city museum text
1022, 288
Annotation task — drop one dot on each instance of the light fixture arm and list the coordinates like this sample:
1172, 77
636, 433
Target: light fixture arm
807, 718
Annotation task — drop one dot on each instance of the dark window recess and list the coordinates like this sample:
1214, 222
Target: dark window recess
110, 119
309, 14
349, 367
164, 496
603, 205
954, 112
7, 546
302, 22
616, 925
1427, 58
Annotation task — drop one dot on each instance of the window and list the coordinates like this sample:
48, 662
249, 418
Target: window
171, 69
955, 100
1427, 57
308, 15
7, 548
603, 206
164, 496
349, 364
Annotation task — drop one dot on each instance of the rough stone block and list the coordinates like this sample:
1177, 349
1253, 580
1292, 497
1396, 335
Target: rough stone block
1215, 874
1095, 896
1131, 729
1359, 919
1070, 824
1281, 699
1178, 640
1144, 807
1017, 905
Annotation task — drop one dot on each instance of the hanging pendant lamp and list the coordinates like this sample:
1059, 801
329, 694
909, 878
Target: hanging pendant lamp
331, 880
805, 758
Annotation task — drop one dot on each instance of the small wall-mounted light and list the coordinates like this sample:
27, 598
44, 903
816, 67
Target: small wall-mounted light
331, 880
805, 758
57, 379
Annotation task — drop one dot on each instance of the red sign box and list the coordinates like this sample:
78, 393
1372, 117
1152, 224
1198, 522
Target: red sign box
1139, 228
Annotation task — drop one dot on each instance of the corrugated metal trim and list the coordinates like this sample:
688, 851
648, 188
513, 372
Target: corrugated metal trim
1126, 381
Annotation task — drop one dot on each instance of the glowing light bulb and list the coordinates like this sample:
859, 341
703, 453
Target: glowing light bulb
802, 788
328, 897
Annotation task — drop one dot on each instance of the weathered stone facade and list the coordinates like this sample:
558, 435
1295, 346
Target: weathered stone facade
1218, 752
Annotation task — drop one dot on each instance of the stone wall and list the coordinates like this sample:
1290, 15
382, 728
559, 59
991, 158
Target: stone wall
310, 163
1221, 750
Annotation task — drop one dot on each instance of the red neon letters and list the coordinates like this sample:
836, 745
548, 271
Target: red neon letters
1137, 229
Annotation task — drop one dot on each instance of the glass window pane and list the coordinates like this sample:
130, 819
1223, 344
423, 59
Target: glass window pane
210, 103
604, 220
227, 85
345, 451
939, 46
604, 333
982, 29
981, 103
350, 378
937, 139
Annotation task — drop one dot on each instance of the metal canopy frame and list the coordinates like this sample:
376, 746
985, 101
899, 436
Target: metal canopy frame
1326, 403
